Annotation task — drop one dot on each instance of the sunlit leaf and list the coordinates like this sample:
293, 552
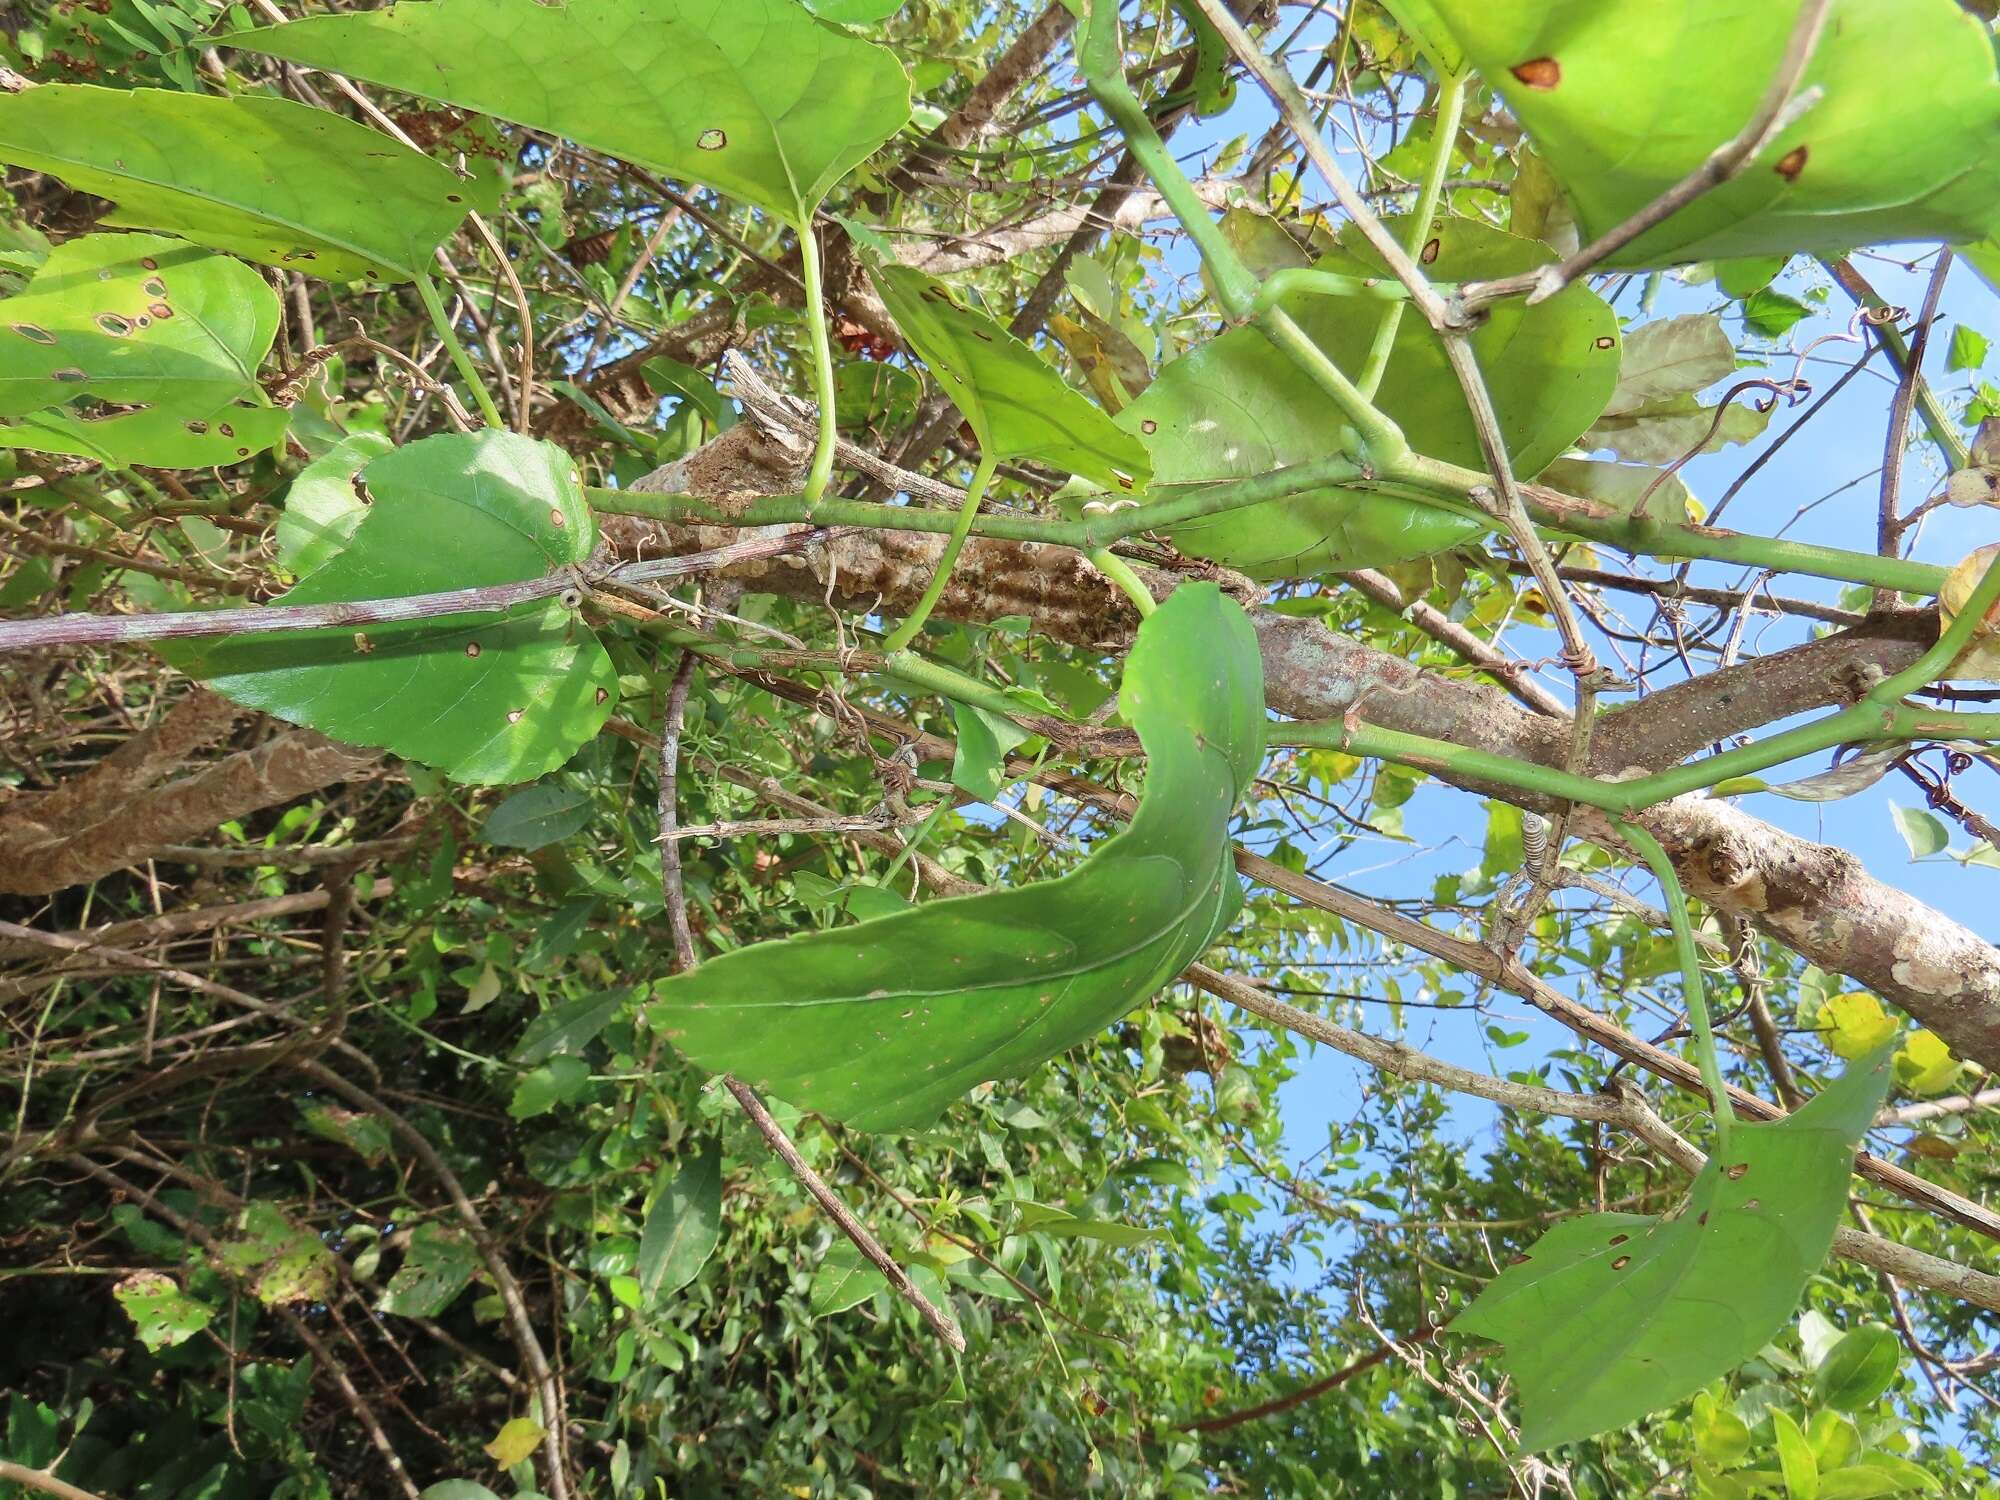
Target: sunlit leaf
984, 738
515, 1441
1926, 1065
756, 98
1611, 1316
1855, 1024
132, 348
485, 698
259, 177
882, 1025
282, 1261
1924, 832
1980, 659
1015, 403
1236, 407
1860, 1368
1626, 97
324, 508
844, 1280
438, 1264
161, 1313
548, 1087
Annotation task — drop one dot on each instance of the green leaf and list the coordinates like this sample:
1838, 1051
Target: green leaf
163, 335
1720, 1435
1426, 27
537, 816
263, 178
1040, 1218
570, 1027
324, 508
1855, 1024
756, 98
1968, 349
486, 698
1740, 278
1772, 313
854, 12
162, 1313
883, 1024
1612, 1316
682, 1226
1236, 407
458, 1489
1626, 97
437, 1265
1925, 1065
1795, 1459
978, 764
1924, 832
283, 1262
1014, 401
844, 1280
555, 1083
1670, 429
1860, 1368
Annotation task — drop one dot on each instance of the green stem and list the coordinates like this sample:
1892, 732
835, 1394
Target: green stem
906, 632
1656, 859
927, 676
427, 292
1450, 108
821, 472
1295, 280
1120, 572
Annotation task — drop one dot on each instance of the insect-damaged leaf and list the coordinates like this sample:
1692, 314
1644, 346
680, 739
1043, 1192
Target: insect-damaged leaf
132, 348
438, 1264
162, 1314
756, 98
1237, 407
1611, 1316
883, 1024
1625, 97
1015, 403
263, 178
487, 698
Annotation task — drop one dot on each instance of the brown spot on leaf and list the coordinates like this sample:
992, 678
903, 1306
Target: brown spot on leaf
225, 429
150, 264
1791, 164
70, 376
197, 428
556, 517
1607, 342
514, 715
472, 648
1149, 427
602, 695
1429, 254
1619, 1239
1735, 1173
1751, 1205
1538, 73
1621, 1263
160, 310
712, 140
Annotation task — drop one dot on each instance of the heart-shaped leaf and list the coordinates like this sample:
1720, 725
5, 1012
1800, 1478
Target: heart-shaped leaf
757, 98
883, 1024
323, 508
1014, 401
1611, 1316
1625, 97
486, 698
1237, 407
164, 336
263, 178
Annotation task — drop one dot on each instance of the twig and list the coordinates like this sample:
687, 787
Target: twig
673, 888
43, 1481
1889, 522
1305, 1393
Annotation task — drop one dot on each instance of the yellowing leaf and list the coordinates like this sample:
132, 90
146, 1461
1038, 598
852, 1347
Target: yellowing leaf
1855, 1024
1981, 659
514, 1442
1925, 1065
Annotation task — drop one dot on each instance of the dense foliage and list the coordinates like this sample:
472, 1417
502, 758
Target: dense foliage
840, 748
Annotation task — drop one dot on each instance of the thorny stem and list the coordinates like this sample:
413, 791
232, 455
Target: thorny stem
441, 320
822, 355
906, 632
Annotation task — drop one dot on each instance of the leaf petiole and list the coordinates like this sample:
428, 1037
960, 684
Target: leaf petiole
440, 320
906, 632
821, 472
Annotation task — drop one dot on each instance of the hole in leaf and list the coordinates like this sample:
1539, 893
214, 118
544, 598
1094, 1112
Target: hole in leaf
1735, 1173
514, 715
472, 648
453, 198
225, 429
1124, 479
362, 643
1429, 254
1619, 1239
34, 334
1751, 1205
1791, 164
1538, 72
1621, 1263
1149, 427
114, 324
556, 517
71, 376
153, 287
197, 428
1607, 342
602, 695
712, 140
